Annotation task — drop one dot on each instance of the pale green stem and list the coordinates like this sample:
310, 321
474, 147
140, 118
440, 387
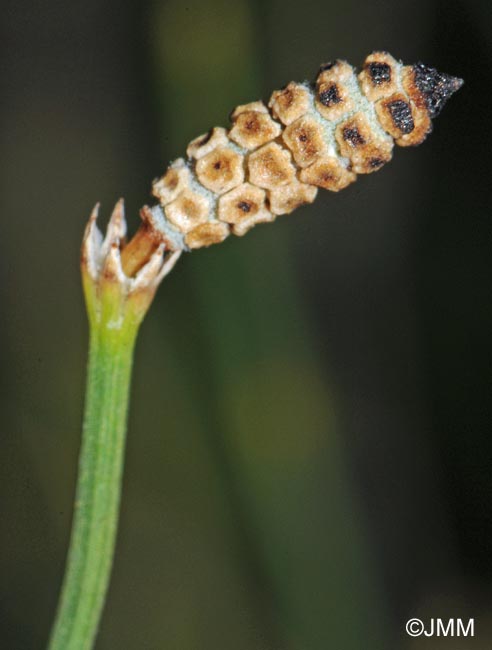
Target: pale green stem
97, 500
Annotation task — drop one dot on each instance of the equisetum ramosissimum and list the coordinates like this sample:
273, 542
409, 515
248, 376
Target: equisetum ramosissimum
276, 155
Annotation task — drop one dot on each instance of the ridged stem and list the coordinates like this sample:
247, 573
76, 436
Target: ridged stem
97, 500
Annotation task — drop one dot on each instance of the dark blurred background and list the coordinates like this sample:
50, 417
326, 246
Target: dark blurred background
309, 454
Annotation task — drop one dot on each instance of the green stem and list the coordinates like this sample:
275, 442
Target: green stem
95, 520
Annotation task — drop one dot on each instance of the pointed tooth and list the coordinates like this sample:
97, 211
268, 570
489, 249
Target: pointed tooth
116, 226
91, 244
112, 269
167, 267
147, 275
92, 219
117, 221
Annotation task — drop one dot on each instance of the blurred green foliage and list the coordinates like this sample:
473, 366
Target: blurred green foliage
309, 433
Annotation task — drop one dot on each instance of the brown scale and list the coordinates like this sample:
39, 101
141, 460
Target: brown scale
274, 158
252, 128
285, 199
396, 115
244, 207
175, 180
204, 144
329, 174
220, 170
332, 96
366, 151
378, 77
289, 103
305, 140
271, 166
207, 234
188, 210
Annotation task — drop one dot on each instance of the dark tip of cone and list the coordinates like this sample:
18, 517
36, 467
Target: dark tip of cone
437, 87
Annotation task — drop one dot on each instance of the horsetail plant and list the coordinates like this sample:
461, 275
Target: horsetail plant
272, 160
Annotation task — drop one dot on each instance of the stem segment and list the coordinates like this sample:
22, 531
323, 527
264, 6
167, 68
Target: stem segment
117, 298
98, 490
